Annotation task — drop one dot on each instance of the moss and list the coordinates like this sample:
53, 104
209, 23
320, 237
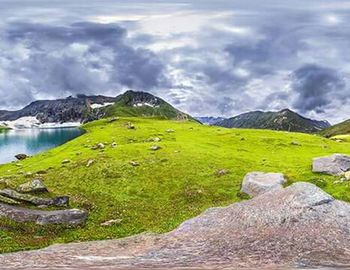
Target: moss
170, 185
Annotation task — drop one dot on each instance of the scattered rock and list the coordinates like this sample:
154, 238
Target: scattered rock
347, 175
170, 131
114, 145
155, 147
111, 222
257, 183
19, 214
100, 146
134, 163
156, 139
221, 172
33, 186
21, 156
295, 143
113, 119
66, 161
90, 162
335, 164
41, 172
61, 201
130, 125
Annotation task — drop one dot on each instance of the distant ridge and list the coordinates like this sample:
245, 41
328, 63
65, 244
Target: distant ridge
286, 120
342, 128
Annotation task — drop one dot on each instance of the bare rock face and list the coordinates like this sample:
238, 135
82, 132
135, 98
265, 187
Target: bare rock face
336, 164
19, 214
300, 225
257, 183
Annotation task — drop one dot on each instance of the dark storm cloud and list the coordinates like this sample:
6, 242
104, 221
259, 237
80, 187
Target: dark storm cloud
83, 57
316, 87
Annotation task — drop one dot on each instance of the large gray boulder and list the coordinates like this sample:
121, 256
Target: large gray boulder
300, 225
19, 214
256, 183
336, 164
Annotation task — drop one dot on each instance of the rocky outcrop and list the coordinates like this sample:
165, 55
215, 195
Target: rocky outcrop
257, 183
19, 214
336, 164
300, 225
61, 201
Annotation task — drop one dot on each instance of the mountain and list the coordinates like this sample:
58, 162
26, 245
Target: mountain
283, 120
338, 129
72, 109
82, 109
210, 120
133, 103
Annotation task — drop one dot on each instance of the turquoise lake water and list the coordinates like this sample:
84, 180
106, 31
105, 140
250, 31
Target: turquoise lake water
33, 141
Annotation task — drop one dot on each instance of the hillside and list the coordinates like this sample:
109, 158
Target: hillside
196, 168
143, 104
339, 129
286, 120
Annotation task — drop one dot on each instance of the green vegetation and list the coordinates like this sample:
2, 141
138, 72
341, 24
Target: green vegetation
170, 185
126, 105
339, 129
2, 128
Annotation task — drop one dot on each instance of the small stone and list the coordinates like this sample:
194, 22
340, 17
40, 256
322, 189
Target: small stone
134, 163
66, 161
90, 162
21, 156
100, 146
347, 175
130, 125
111, 222
114, 145
113, 119
222, 172
170, 131
155, 147
295, 143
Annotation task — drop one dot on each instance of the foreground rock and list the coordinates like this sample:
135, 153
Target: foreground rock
336, 164
33, 186
60, 201
19, 214
296, 226
257, 183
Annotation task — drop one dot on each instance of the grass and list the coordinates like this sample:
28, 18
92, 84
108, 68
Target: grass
170, 185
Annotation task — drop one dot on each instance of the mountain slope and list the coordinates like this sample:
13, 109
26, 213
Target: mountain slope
339, 129
143, 104
170, 185
71, 109
283, 120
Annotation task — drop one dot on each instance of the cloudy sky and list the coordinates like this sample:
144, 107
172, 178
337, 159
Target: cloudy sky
206, 57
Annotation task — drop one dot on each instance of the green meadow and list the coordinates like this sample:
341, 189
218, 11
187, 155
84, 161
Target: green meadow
197, 167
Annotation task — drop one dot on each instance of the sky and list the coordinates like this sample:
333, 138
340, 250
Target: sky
207, 58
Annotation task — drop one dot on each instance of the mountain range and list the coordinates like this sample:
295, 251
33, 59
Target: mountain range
83, 108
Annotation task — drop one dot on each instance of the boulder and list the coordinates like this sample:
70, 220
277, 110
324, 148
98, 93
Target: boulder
286, 228
19, 214
256, 183
336, 164
33, 186
66, 161
61, 201
21, 156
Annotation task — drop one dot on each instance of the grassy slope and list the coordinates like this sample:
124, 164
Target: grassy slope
339, 129
170, 185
